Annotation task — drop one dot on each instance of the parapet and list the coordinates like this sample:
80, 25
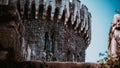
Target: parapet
49, 9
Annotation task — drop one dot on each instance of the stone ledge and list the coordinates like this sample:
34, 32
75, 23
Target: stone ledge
37, 64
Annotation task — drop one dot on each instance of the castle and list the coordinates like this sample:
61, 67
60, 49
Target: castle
55, 30
114, 38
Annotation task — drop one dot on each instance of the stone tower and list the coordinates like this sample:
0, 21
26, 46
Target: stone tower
114, 37
55, 30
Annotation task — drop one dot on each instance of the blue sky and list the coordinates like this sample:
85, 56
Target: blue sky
102, 14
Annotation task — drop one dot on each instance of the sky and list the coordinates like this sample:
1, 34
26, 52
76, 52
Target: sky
102, 12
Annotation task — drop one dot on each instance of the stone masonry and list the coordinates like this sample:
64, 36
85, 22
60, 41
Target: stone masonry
56, 30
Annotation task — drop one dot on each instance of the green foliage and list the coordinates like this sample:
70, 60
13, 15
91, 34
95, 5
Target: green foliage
110, 62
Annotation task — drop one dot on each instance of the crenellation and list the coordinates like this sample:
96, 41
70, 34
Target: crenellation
89, 27
55, 30
75, 23
69, 22
53, 4
58, 3
79, 28
76, 8
77, 20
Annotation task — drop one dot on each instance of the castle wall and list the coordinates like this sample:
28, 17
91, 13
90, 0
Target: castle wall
57, 30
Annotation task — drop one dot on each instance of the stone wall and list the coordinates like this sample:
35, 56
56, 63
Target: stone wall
35, 64
56, 29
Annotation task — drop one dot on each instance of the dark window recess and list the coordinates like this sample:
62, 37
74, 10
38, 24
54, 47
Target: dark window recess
46, 40
118, 20
52, 41
51, 45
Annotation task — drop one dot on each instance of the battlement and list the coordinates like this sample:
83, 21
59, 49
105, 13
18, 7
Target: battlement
55, 9
55, 29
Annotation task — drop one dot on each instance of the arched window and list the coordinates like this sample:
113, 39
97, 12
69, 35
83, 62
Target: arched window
46, 41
